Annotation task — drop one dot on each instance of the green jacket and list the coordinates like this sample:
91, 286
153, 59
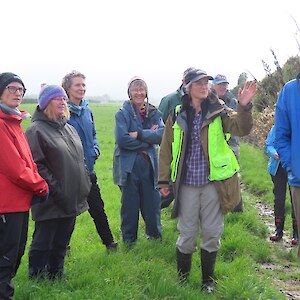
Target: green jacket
237, 123
169, 102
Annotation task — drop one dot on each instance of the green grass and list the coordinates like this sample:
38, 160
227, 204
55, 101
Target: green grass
148, 270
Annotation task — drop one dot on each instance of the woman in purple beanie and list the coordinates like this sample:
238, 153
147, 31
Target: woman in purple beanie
58, 153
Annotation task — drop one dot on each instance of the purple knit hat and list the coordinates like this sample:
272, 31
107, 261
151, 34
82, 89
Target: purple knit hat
48, 92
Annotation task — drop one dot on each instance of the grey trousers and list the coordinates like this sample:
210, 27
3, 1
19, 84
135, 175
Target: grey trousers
199, 207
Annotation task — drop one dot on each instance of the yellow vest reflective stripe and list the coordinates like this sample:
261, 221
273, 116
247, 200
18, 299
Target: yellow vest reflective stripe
176, 146
222, 161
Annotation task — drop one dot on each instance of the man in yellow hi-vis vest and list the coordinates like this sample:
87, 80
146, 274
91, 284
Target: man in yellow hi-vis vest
195, 155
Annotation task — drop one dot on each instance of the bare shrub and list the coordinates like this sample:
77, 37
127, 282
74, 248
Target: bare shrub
262, 124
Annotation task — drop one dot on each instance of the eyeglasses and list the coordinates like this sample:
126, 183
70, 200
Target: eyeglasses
14, 89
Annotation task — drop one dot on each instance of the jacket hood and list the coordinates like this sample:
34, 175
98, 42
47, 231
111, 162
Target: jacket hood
40, 116
134, 110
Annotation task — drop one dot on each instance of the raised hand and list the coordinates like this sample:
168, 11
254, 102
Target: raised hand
246, 94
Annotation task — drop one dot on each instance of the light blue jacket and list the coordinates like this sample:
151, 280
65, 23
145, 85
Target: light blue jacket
287, 136
270, 150
126, 149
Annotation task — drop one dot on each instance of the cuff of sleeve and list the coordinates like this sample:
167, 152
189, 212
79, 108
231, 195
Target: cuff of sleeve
248, 107
97, 150
139, 135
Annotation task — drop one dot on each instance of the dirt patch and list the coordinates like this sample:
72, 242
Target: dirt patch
290, 287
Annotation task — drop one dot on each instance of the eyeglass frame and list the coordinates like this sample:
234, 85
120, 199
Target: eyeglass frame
12, 90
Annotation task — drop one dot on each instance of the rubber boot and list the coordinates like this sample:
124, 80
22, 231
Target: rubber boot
184, 263
295, 238
279, 223
208, 260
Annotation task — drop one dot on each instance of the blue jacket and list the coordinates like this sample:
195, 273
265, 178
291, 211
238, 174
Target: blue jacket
128, 120
82, 119
270, 150
287, 123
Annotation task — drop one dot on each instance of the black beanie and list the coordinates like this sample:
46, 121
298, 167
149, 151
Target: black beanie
6, 78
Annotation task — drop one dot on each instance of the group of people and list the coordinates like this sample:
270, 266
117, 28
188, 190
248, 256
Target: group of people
50, 170
187, 151
181, 150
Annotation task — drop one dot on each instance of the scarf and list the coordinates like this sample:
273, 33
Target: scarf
77, 109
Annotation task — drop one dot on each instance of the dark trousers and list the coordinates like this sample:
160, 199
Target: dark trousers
48, 248
97, 212
140, 195
279, 190
13, 238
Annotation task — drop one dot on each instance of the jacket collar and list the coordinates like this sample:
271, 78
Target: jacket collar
211, 108
40, 116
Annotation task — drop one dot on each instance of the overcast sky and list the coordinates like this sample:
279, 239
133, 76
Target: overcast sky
111, 41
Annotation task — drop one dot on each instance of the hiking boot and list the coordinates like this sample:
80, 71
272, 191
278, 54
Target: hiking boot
295, 238
294, 241
276, 237
112, 247
279, 223
208, 287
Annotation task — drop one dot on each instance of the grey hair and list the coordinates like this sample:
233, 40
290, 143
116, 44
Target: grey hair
67, 80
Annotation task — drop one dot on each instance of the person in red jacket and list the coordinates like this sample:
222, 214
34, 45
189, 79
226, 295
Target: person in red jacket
20, 183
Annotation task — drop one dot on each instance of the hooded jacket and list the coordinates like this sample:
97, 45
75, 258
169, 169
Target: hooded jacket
287, 132
239, 124
57, 150
19, 177
82, 120
126, 149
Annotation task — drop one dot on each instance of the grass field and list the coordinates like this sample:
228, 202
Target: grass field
148, 270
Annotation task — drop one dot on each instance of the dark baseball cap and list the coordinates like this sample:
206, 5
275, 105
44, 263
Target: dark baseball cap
195, 75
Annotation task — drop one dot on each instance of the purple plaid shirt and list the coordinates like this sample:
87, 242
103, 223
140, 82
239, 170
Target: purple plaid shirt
197, 169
